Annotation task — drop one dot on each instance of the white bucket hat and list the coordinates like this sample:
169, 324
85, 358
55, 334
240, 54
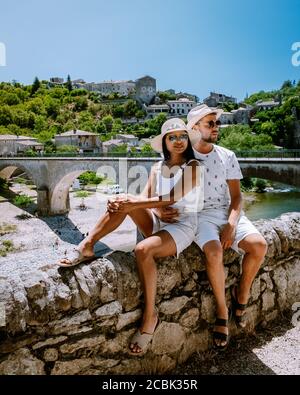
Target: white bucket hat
200, 112
173, 125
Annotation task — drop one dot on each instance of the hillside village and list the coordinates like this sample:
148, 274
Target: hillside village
122, 116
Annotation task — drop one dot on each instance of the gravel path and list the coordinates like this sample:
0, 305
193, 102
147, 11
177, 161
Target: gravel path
274, 350
42, 241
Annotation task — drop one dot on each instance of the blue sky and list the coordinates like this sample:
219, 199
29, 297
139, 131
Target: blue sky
195, 46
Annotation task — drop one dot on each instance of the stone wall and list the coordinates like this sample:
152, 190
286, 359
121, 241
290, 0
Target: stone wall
79, 321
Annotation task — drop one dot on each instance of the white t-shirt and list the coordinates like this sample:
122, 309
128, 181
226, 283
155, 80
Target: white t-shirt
220, 164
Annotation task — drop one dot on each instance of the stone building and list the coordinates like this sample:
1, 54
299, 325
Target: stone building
129, 139
181, 107
266, 105
215, 99
11, 144
85, 141
145, 89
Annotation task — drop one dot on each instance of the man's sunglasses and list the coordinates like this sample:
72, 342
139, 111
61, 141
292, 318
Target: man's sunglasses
182, 137
212, 124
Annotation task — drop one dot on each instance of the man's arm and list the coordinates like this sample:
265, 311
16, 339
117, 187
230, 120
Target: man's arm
235, 207
229, 230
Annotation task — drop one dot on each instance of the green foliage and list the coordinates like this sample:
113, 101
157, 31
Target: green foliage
165, 96
147, 149
247, 184
22, 201
82, 194
240, 137
67, 148
7, 246
69, 83
3, 184
90, 177
121, 149
35, 86
287, 84
108, 122
260, 185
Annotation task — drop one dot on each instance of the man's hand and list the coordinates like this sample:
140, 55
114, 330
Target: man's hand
167, 214
227, 236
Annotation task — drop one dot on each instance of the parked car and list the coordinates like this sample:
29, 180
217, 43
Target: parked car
114, 189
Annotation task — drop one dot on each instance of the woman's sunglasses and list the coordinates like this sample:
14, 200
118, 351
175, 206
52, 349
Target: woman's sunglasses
212, 124
182, 137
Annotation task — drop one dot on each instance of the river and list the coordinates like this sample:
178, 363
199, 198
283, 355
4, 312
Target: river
282, 199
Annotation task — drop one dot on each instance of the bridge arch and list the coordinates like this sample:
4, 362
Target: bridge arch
59, 196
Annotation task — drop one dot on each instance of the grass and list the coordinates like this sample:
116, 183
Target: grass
22, 200
7, 228
7, 246
82, 194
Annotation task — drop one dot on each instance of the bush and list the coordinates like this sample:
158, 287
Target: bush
22, 200
260, 185
90, 177
82, 194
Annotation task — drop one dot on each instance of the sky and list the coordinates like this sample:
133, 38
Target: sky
233, 47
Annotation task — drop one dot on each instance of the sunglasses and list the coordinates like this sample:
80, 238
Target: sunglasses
212, 124
182, 137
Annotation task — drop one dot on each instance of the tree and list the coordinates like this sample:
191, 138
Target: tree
287, 84
108, 122
69, 83
35, 86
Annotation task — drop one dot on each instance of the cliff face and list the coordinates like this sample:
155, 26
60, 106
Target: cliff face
65, 321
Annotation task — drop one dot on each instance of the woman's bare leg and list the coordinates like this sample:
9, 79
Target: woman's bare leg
161, 244
108, 223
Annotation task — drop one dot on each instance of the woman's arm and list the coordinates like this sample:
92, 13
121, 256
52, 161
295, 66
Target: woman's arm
190, 179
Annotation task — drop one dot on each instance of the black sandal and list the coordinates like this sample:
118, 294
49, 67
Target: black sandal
220, 335
239, 319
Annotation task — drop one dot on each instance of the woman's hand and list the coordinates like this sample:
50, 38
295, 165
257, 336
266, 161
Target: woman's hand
123, 203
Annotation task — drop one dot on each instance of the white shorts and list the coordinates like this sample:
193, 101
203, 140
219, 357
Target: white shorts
183, 232
211, 222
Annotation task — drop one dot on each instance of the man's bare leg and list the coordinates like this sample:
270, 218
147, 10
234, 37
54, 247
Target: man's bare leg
215, 272
255, 247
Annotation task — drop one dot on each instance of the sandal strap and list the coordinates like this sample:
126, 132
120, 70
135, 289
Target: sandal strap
237, 305
221, 322
220, 335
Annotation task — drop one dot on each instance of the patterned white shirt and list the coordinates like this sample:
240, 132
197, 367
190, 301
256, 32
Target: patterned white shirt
220, 165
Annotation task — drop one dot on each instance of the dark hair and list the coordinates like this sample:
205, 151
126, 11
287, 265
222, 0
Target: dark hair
188, 153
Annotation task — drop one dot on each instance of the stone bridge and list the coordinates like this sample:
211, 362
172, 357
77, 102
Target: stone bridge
53, 177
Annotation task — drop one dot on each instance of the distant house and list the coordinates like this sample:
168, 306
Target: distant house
242, 115
226, 118
266, 105
109, 145
55, 81
215, 99
85, 141
11, 144
181, 107
145, 141
154, 109
128, 139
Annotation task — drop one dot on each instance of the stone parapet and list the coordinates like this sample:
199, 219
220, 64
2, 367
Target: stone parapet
80, 320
